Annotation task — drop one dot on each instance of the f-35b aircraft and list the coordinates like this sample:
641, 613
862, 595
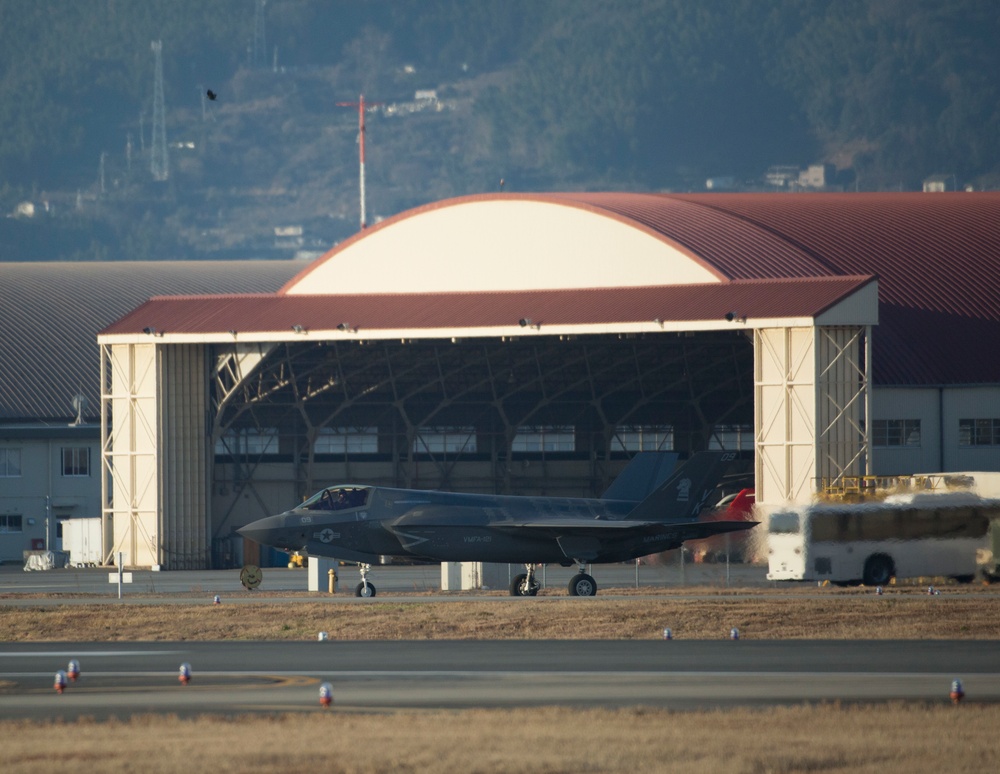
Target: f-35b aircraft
643, 512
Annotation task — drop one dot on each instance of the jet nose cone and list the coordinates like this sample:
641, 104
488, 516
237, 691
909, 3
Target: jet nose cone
263, 530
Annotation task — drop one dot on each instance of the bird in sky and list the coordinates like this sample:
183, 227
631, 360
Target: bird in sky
211, 94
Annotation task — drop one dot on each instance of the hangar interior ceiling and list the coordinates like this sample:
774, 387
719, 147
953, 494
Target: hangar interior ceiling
482, 393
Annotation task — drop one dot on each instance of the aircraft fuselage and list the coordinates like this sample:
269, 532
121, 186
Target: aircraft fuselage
446, 526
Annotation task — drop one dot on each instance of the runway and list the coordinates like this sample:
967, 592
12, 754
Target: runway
123, 679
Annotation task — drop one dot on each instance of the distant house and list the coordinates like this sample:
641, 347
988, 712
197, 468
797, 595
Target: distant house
724, 183
782, 176
816, 176
940, 184
288, 236
425, 95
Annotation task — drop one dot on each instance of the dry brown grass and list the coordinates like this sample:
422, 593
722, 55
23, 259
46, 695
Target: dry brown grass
830, 738
914, 738
899, 614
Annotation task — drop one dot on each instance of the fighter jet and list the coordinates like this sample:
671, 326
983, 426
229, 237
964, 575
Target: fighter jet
643, 512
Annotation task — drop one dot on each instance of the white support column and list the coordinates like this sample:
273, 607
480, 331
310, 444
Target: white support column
129, 431
155, 458
784, 414
318, 570
451, 576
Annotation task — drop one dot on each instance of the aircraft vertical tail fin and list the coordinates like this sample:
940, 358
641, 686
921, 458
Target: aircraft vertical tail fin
642, 476
685, 493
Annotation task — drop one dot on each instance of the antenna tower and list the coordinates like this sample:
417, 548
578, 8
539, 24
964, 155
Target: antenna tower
158, 164
360, 105
259, 51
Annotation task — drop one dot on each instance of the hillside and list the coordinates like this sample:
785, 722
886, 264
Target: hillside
562, 94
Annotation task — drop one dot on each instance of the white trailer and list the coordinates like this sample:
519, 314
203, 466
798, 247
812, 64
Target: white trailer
82, 539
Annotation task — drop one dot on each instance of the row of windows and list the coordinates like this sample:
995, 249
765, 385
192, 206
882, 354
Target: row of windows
75, 462
979, 432
10, 522
906, 432
458, 440
462, 440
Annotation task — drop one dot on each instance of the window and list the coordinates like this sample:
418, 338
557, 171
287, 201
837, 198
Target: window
979, 432
445, 440
544, 439
10, 463
731, 438
896, 432
76, 461
10, 522
248, 441
643, 438
784, 523
347, 440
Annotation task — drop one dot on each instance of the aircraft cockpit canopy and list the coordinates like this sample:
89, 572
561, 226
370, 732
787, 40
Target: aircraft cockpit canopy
337, 498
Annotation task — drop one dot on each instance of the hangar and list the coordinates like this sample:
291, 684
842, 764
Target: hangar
521, 343
50, 314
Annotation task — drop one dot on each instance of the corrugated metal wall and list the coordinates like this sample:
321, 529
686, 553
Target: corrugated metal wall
183, 458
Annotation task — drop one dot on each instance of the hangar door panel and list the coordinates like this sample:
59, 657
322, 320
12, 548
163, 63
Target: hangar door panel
129, 437
784, 400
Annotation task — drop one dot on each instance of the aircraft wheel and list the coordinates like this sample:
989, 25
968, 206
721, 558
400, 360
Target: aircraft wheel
878, 570
364, 590
582, 585
516, 585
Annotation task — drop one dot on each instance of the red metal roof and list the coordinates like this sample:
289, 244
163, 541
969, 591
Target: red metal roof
51, 312
936, 256
263, 313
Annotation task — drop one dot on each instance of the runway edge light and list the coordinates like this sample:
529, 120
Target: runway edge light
323, 636
667, 634
60, 681
957, 692
734, 633
325, 695
184, 675
73, 670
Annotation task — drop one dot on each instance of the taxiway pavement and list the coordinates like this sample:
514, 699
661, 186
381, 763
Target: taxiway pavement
123, 679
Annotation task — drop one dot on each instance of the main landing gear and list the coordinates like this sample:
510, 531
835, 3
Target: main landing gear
364, 589
581, 584
525, 584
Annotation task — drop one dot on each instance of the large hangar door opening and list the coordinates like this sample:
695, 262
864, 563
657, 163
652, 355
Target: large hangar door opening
553, 415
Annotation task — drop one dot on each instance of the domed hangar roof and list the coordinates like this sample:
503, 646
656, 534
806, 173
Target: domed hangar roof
922, 267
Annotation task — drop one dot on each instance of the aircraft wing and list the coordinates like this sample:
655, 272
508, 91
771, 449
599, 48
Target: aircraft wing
582, 539
691, 530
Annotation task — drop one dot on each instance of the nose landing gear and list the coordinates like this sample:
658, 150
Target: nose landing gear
364, 589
